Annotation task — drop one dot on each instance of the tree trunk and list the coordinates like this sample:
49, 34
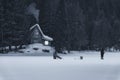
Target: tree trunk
16, 48
21, 46
10, 49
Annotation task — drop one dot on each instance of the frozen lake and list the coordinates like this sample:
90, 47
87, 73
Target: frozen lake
69, 68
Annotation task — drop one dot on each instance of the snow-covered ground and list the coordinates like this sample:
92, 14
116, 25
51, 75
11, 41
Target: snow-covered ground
35, 49
69, 68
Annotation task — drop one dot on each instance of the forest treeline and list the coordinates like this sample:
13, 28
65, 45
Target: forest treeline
73, 24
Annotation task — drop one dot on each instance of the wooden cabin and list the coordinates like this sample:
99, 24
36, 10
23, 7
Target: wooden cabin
37, 36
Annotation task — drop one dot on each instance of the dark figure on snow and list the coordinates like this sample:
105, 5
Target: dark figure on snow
56, 48
102, 53
55, 56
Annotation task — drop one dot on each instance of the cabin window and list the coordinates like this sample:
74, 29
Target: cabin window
36, 32
46, 43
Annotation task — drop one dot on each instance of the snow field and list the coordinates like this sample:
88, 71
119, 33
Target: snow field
69, 68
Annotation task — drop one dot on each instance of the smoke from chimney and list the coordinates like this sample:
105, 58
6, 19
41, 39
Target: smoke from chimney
33, 11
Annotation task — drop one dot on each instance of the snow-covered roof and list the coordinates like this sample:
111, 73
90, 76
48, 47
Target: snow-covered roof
44, 36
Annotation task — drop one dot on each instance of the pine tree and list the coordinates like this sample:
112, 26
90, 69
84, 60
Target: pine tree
101, 32
14, 25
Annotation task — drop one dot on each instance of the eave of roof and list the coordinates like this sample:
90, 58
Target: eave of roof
44, 36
